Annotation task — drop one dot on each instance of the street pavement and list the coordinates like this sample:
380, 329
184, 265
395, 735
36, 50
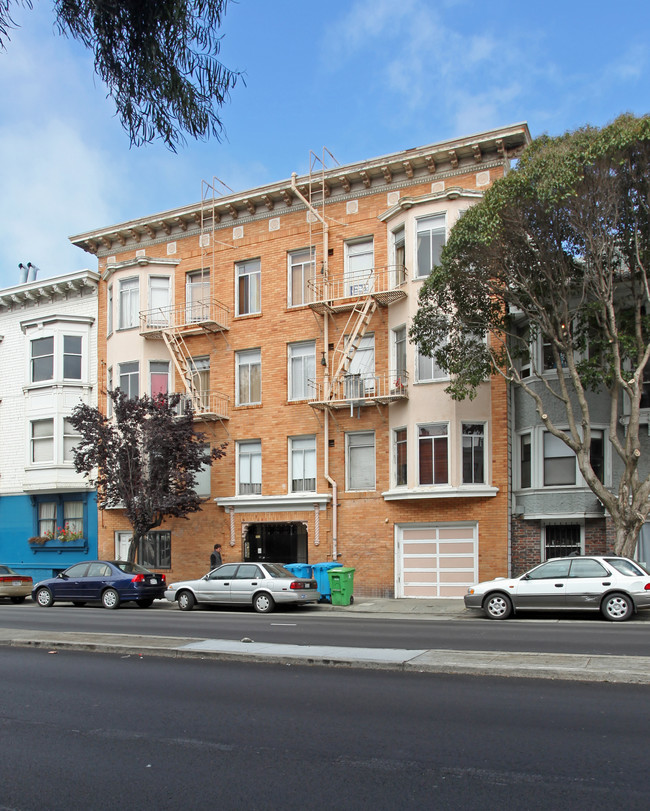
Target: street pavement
574, 667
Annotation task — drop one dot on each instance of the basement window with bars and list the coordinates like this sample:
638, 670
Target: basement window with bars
561, 540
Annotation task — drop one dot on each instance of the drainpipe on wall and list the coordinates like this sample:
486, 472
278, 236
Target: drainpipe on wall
326, 465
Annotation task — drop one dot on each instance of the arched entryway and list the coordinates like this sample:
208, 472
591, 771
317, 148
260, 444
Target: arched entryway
276, 542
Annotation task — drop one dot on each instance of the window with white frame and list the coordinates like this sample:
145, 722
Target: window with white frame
130, 379
559, 462
359, 267
360, 467
197, 295
399, 356
158, 377
249, 377
360, 379
159, 301
431, 236
433, 453
303, 464
525, 460
129, 303
427, 369
473, 453
70, 439
109, 389
109, 310
56, 357
42, 441
47, 518
72, 357
302, 270
42, 359
399, 251
302, 370
522, 349
249, 465
203, 477
249, 287
200, 378
401, 457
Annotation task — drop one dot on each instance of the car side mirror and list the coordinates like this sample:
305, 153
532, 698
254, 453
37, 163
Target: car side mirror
526, 577
62, 576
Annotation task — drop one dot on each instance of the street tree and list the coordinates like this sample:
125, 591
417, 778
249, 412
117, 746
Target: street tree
143, 459
545, 282
159, 60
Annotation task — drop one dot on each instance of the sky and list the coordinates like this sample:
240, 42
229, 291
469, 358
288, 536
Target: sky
361, 78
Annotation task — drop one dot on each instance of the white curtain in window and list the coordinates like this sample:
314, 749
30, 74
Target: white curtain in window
73, 512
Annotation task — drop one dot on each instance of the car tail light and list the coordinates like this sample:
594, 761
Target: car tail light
139, 578
647, 586
162, 577
13, 577
297, 584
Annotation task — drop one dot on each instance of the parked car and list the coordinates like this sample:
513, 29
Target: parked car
111, 581
615, 586
261, 585
13, 585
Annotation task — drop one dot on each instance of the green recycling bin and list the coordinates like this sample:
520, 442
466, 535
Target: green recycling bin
342, 585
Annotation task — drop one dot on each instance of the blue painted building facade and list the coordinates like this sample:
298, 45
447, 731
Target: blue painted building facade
48, 364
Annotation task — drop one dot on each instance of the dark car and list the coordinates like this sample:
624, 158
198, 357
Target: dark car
111, 581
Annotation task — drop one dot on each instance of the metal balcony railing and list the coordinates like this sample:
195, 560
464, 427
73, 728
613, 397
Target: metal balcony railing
385, 284
196, 315
208, 405
360, 389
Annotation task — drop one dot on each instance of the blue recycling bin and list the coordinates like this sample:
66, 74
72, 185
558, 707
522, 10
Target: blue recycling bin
299, 569
320, 575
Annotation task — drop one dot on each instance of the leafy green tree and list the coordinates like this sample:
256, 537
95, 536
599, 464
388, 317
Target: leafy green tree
556, 255
157, 58
144, 459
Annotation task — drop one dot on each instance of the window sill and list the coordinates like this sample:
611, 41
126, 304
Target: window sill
59, 547
244, 316
440, 491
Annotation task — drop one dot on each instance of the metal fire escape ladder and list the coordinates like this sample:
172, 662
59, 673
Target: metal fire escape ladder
345, 350
181, 357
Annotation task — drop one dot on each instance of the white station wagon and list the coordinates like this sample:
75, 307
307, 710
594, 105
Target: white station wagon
617, 587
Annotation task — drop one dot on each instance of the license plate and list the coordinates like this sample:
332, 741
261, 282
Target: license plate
153, 581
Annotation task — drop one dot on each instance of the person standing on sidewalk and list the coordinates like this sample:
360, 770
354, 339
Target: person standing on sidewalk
215, 557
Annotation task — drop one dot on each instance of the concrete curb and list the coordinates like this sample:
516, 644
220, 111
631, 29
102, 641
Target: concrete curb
570, 667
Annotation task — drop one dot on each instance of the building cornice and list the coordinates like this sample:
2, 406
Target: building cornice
389, 172
49, 290
289, 503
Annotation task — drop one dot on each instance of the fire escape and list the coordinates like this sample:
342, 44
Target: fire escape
358, 293
200, 315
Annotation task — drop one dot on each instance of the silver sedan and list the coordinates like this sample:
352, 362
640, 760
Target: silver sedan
615, 586
261, 585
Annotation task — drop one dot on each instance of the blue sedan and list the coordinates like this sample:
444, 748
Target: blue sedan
110, 581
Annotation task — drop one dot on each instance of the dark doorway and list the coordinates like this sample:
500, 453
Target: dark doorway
276, 542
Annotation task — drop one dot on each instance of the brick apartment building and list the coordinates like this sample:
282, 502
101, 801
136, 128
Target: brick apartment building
283, 313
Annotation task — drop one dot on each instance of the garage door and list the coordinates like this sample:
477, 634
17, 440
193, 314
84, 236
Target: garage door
436, 560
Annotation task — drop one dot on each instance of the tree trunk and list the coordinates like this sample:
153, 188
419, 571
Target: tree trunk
133, 548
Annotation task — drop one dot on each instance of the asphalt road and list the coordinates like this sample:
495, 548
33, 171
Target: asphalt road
312, 626
85, 732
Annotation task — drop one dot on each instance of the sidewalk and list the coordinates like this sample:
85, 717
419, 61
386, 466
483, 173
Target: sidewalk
572, 667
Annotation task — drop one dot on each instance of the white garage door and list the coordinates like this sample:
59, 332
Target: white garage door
435, 560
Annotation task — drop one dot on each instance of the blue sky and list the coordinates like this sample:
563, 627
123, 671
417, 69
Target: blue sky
359, 77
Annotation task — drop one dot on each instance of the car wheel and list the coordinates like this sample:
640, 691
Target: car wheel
145, 602
186, 601
44, 598
497, 607
17, 600
617, 607
79, 603
263, 603
110, 599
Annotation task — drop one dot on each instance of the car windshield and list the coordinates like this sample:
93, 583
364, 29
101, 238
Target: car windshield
626, 567
5, 570
277, 570
130, 568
